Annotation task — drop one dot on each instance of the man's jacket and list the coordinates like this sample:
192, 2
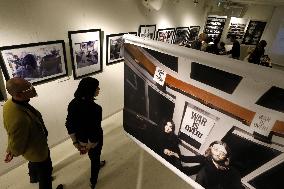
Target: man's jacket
26, 132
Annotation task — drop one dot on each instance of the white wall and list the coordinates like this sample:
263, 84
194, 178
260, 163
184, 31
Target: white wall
259, 12
274, 36
33, 21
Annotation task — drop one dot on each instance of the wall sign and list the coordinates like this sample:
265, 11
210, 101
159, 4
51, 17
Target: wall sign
263, 123
160, 76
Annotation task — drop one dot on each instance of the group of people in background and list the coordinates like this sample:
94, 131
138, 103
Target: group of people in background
27, 134
215, 46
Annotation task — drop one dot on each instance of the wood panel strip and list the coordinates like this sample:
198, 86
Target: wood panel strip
278, 128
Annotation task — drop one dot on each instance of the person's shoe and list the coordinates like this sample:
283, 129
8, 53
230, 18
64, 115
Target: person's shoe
33, 180
92, 186
102, 163
60, 186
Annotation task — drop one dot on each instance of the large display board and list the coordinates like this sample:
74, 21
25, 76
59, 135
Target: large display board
214, 26
254, 32
237, 27
209, 127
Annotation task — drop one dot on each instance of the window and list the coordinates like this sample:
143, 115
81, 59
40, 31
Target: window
246, 155
213, 77
165, 59
273, 99
272, 179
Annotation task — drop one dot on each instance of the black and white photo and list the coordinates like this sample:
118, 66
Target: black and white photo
166, 35
147, 31
114, 47
35, 62
237, 28
254, 32
182, 36
193, 33
214, 26
86, 53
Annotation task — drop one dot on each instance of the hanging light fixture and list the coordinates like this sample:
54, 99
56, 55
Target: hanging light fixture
195, 2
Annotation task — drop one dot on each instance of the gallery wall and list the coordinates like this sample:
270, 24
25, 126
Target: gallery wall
35, 21
274, 36
256, 13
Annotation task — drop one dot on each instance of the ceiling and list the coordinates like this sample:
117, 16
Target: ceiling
259, 2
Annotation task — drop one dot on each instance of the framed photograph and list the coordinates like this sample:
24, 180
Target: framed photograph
254, 32
166, 35
147, 31
182, 35
193, 33
214, 26
35, 62
114, 46
86, 52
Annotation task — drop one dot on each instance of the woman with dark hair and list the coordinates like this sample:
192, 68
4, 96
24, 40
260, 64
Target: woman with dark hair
169, 149
83, 124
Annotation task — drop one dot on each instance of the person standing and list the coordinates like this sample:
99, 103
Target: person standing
27, 134
236, 48
83, 124
257, 53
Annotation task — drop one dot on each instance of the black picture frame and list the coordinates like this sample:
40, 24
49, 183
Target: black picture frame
86, 52
236, 29
147, 31
166, 35
182, 35
194, 31
214, 26
114, 47
254, 32
35, 62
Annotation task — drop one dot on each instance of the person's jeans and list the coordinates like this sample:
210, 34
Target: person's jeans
94, 155
42, 171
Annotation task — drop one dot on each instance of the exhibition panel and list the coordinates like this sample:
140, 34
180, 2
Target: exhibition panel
189, 107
